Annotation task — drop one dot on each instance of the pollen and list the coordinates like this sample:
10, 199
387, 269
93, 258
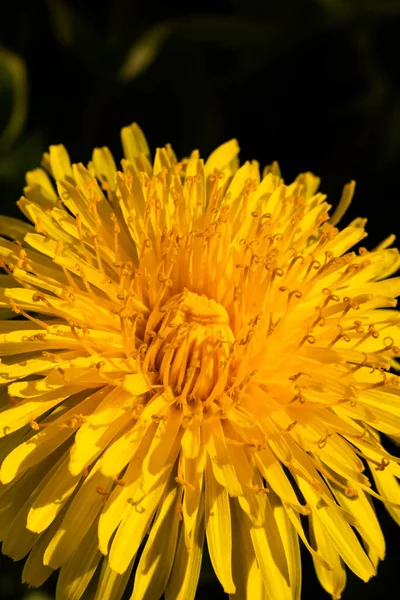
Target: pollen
189, 347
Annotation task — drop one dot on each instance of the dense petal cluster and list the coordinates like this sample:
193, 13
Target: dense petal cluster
191, 350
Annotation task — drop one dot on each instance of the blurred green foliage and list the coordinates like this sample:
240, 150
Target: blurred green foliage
14, 98
195, 76
312, 83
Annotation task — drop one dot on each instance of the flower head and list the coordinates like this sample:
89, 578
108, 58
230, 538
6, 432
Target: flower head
195, 353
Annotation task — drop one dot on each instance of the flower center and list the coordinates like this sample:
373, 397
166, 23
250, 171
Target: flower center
189, 344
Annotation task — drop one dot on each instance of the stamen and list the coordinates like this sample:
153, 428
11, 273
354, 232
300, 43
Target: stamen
86, 254
19, 311
340, 336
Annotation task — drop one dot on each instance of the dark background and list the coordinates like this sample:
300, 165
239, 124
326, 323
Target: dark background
314, 84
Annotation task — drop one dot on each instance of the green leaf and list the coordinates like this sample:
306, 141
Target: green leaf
66, 25
236, 33
144, 51
77, 34
14, 74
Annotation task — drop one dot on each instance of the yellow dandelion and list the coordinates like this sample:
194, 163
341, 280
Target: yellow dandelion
197, 354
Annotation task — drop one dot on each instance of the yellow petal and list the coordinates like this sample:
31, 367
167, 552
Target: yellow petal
13, 498
122, 450
35, 573
344, 202
14, 228
104, 166
389, 488
59, 162
98, 430
333, 580
30, 452
136, 384
220, 460
52, 497
291, 545
80, 515
134, 142
27, 410
193, 463
114, 508
156, 561
269, 550
111, 584
367, 523
182, 584
218, 529
222, 158
275, 583
78, 570
24, 368
17, 540
138, 512
246, 572
39, 188
339, 532
275, 476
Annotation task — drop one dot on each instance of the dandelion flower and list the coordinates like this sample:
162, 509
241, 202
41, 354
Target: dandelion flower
196, 355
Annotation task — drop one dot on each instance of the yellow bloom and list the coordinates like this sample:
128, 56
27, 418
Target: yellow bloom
197, 354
